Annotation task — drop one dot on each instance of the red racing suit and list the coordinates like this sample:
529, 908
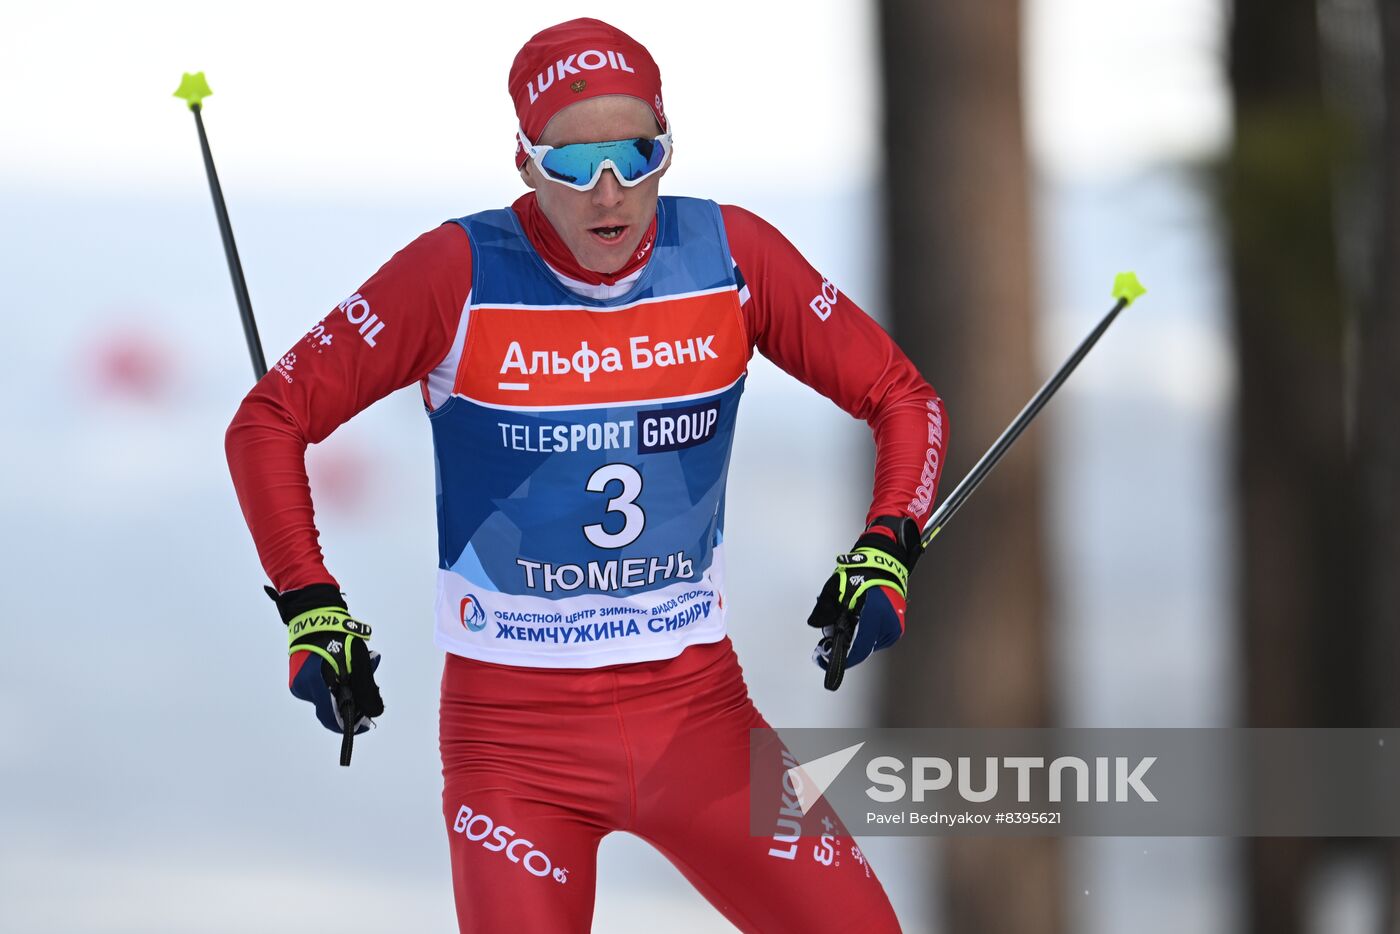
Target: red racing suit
590, 687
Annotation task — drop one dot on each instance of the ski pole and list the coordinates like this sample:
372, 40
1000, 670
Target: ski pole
345, 705
1126, 289
193, 90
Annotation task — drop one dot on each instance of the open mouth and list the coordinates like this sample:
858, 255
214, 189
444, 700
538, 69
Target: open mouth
608, 234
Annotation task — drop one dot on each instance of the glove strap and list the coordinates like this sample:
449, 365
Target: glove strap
326, 619
852, 583
333, 620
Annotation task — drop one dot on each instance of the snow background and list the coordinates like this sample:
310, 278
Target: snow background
155, 776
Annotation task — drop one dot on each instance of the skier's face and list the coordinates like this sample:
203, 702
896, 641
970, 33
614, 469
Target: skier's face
604, 225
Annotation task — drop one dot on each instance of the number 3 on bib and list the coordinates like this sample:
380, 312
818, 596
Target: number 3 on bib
624, 503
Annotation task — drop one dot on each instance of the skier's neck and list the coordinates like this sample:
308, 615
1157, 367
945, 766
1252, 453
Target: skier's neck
547, 242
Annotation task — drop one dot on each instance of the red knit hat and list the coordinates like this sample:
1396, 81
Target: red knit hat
574, 61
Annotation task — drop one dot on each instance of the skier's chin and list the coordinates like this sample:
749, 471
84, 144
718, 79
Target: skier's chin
604, 256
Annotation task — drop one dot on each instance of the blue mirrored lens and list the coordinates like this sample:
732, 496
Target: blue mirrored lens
577, 162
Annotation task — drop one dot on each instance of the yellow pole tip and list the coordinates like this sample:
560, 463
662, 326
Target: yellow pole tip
1127, 287
193, 89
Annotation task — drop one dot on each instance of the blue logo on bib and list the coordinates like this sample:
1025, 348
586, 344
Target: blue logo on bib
473, 615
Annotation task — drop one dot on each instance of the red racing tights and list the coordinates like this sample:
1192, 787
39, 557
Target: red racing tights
540, 763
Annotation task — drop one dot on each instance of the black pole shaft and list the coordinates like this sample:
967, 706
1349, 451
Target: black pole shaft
845, 625
344, 700
235, 268
349, 719
844, 631
983, 467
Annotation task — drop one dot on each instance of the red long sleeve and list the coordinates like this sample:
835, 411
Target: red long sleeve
805, 325
389, 334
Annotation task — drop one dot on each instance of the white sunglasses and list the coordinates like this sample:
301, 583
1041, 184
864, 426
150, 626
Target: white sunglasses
580, 165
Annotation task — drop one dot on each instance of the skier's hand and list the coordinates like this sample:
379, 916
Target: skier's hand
870, 584
329, 655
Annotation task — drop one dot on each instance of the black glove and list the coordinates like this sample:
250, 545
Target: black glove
869, 585
320, 628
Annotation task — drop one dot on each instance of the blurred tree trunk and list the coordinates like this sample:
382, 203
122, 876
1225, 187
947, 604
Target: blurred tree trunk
1299, 529
959, 274
1378, 396
1377, 424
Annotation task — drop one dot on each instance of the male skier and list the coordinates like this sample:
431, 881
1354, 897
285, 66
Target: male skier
581, 357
